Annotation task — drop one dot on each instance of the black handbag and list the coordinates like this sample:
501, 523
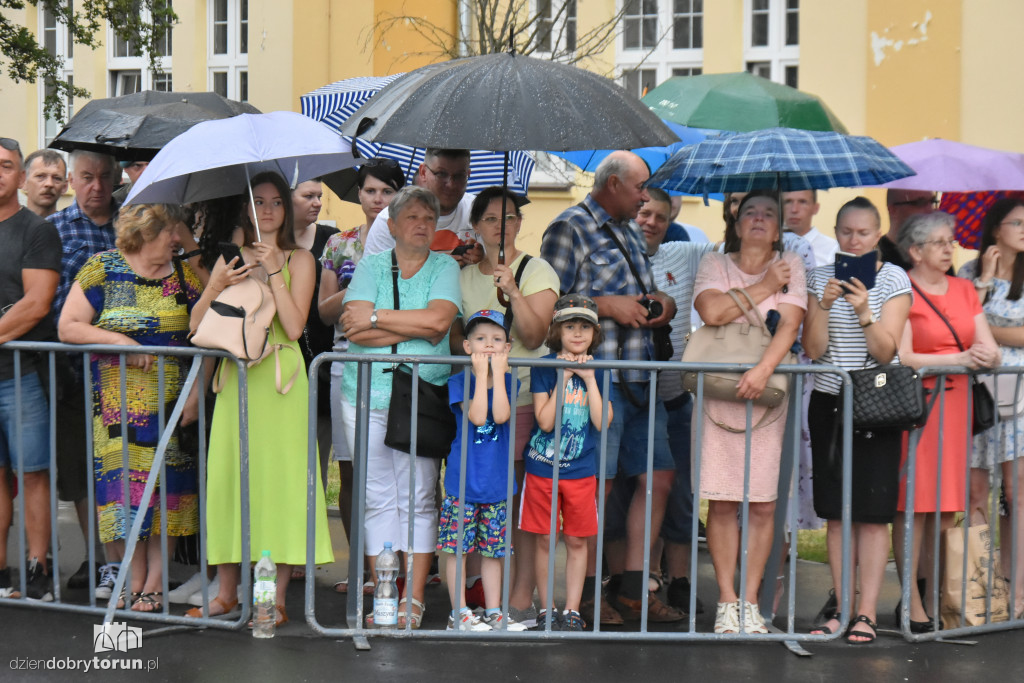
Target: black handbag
984, 412
435, 421
888, 397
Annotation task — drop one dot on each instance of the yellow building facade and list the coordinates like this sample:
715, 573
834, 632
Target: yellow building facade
896, 70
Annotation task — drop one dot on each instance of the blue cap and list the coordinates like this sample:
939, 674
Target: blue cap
486, 315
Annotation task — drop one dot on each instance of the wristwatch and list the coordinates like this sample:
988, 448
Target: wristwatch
373, 319
871, 321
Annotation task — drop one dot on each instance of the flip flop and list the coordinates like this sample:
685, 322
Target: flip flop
868, 637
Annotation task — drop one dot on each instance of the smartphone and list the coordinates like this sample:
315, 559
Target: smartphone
864, 268
230, 250
461, 249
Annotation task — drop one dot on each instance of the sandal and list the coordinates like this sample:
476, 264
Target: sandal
824, 630
147, 602
727, 618
868, 637
416, 618
342, 587
655, 582
224, 607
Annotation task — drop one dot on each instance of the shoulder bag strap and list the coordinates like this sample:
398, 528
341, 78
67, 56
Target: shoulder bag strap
943, 318
394, 288
509, 314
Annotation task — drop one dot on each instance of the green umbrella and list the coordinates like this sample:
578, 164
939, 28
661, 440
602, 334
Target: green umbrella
739, 102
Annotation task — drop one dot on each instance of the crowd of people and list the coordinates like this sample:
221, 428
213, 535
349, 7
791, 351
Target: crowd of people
427, 273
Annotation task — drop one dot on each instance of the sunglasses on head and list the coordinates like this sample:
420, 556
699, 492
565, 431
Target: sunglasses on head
10, 144
380, 162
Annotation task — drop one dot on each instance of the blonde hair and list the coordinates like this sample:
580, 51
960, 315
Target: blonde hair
138, 224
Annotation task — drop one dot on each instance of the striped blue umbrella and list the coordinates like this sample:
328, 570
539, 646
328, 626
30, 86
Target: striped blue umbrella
333, 104
784, 159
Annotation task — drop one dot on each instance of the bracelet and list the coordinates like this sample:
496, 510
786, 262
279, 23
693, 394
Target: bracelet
270, 275
979, 284
822, 307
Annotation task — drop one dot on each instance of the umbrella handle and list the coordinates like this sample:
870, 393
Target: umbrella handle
502, 299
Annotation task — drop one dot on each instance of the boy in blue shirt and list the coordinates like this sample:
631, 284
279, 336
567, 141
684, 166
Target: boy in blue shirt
486, 479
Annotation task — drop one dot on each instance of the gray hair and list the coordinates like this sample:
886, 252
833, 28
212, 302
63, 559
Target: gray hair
920, 227
50, 157
613, 164
413, 193
110, 161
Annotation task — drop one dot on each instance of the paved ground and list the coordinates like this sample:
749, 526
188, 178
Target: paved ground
42, 637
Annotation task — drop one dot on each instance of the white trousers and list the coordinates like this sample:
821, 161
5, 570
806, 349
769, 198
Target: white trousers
387, 490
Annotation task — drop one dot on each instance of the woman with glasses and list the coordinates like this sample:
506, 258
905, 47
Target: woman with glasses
530, 286
998, 278
944, 316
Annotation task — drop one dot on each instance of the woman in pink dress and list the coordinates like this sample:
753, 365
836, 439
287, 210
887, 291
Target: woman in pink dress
927, 241
775, 280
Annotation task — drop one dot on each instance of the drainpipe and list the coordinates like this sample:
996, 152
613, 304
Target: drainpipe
465, 26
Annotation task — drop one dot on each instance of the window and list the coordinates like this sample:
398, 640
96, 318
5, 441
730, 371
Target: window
129, 69
228, 58
556, 26
772, 39
660, 39
58, 41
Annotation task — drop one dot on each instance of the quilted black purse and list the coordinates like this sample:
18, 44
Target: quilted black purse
888, 397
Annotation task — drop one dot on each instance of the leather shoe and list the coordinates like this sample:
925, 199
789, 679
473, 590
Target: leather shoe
657, 611
609, 617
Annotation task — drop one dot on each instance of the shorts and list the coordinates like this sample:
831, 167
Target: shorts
577, 506
627, 434
32, 450
483, 528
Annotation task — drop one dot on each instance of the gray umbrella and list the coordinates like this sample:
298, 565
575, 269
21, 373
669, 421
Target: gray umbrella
505, 102
135, 127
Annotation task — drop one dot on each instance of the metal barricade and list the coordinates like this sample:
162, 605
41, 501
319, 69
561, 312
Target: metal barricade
355, 627
983, 578
133, 523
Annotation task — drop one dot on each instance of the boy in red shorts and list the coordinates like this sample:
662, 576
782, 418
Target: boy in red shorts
574, 335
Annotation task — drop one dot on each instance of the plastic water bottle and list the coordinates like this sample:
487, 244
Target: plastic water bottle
264, 598
385, 595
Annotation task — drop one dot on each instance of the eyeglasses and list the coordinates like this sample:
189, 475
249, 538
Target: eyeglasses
1017, 223
445, 177
922, 203
10, 144
942, 244
491, 221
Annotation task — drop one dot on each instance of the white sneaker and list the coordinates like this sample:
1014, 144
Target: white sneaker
108, 576
182, 593
498, 622
753, 622
727, 617
467, 622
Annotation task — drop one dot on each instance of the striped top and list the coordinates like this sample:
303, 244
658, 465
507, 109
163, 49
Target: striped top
847, 347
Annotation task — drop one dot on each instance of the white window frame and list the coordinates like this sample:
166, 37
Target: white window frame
777, 55
48, 128
558, 28
121, 70
663, 59
234, 63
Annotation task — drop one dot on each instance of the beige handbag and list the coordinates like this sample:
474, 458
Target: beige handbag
240, 321
742, 342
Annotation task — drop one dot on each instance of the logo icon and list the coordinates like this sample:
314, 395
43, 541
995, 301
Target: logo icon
116, 637
880, 380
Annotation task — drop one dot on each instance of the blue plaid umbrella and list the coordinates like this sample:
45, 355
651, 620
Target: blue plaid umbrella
783, 159
333, 104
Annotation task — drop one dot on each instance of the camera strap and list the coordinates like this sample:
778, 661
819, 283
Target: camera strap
625, 254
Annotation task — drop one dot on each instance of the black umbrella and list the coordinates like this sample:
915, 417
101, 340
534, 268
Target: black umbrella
507, 102
135, 127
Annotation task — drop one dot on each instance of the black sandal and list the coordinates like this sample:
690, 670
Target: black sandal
824, 630
868, 637
829, 609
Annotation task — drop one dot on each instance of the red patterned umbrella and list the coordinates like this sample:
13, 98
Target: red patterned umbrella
969, 209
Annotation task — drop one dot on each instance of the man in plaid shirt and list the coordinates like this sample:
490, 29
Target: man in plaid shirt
86, 228
581, 246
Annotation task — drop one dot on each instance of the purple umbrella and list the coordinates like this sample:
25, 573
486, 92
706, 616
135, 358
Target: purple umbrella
947, 166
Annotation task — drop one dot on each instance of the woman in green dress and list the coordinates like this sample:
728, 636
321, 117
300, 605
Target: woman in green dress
277, 421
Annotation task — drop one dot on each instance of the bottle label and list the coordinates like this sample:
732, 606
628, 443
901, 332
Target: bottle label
264, 590
385, 611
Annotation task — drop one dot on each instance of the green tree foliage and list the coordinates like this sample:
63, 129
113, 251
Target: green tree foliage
25, 58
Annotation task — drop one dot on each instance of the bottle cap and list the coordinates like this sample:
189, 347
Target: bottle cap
266, 553
387, 545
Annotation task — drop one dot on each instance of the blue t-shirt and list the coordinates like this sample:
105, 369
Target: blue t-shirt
486, 453
581, 438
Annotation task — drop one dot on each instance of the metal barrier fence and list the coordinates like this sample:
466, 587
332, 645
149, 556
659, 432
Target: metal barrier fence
355, 627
